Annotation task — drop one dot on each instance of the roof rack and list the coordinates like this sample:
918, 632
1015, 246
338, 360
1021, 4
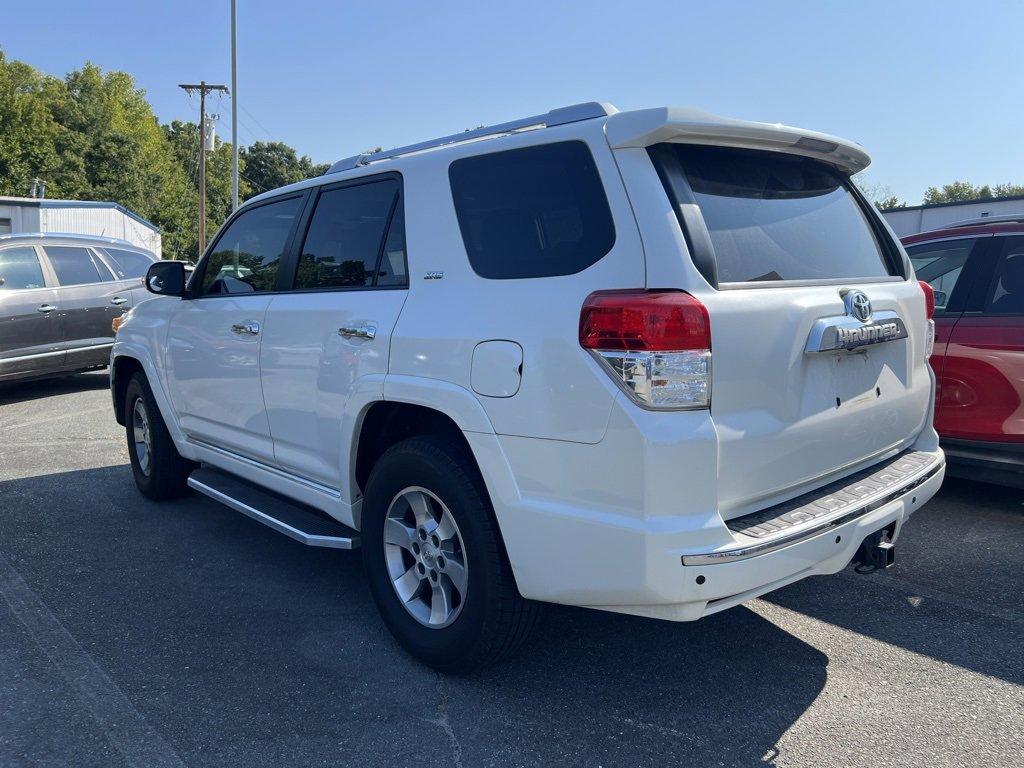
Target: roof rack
1005, 219
561, 116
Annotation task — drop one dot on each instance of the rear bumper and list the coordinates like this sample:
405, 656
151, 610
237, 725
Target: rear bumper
986, 462
684, 565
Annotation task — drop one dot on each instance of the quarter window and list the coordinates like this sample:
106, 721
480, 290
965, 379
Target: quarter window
75, 265
343, 245
20, 268
247, 255
940, 265
533, 212
128, 264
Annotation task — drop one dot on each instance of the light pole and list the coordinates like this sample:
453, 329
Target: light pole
234, 112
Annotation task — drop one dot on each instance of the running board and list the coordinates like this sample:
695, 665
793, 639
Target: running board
304, 524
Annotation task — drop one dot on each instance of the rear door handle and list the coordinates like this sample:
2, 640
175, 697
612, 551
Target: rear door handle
47, 308
118, 300
246, 329
358, 331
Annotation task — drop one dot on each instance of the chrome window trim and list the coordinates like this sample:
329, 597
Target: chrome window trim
841, 517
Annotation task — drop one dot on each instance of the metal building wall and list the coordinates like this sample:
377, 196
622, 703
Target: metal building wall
922, 218
106, 222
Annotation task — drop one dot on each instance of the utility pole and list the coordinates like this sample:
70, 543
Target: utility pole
204, 88
234, 113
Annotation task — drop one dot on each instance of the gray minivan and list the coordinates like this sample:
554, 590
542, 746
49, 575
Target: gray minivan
58, 296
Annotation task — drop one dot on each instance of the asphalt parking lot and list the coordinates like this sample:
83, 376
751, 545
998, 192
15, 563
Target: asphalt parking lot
138, 634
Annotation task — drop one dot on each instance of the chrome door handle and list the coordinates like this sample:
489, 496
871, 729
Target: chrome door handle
246, 329
358, 332
118, 300
45, 308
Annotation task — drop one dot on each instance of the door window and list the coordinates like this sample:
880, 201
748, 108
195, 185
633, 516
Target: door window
20, 268
247, 255
941, 265
75, 265
1006, 291
343, 244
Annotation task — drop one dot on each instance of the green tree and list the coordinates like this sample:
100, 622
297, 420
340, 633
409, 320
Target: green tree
184, 141
956, 192
889, 203
272, 164
1008, 190
28, 132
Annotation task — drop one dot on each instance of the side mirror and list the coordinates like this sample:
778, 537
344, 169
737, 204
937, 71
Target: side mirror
941, 298
2, 281
166, 278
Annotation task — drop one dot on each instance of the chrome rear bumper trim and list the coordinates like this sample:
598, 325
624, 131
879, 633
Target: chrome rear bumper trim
820, 526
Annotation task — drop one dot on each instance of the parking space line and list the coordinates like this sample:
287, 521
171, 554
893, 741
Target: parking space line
125, 729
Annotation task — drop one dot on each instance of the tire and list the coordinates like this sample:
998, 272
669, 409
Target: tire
488, 620
159, 470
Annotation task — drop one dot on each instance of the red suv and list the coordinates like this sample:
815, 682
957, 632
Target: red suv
976, 269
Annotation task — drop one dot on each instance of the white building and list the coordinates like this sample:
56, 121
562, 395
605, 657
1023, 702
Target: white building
79, 217
922, 218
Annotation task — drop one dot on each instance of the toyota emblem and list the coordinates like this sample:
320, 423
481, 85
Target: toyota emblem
858, 305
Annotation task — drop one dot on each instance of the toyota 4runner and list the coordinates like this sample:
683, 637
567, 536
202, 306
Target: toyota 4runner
653, 362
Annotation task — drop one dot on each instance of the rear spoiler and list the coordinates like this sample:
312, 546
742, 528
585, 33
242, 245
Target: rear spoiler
691, 126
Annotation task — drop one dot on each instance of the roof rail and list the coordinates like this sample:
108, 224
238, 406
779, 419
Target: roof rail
1004, 219
561, 116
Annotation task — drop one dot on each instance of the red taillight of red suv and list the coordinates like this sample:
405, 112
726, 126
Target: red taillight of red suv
655, 344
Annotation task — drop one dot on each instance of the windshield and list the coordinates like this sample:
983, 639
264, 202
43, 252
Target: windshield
773, 216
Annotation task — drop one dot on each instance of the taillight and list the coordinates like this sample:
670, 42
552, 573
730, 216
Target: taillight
655, 344
929, 311
929, 298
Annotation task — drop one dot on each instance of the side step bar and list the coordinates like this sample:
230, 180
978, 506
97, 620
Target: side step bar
304, 524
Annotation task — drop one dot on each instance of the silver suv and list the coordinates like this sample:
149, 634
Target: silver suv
59, 295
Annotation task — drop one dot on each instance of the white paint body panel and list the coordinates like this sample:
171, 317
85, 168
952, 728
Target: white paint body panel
310, 372
574, 468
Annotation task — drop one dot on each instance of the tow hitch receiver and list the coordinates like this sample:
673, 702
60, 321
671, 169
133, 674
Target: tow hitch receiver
877, 551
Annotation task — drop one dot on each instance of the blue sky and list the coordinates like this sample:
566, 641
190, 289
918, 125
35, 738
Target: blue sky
931, 89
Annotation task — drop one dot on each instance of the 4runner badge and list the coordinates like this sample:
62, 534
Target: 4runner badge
857, 328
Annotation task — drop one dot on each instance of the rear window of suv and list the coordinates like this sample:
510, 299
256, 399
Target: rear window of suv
773, 216
533, 212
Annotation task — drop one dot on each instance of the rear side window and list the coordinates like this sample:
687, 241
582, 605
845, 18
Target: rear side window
249, 252
533, 212
75, 266
20, 268
1006, 291
128, 264
773, 216
345, 237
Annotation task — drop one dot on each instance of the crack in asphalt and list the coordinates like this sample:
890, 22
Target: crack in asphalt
443, 721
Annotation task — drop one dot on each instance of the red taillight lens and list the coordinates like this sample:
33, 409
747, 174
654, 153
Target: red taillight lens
929, 298
644, 320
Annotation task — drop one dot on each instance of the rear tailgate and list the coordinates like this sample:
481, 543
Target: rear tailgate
787, 417
806, 386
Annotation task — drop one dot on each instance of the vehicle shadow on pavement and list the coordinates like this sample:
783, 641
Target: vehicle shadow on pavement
242, 647
23, 391
956, 593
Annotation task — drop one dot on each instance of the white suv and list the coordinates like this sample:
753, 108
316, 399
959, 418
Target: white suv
654, 362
